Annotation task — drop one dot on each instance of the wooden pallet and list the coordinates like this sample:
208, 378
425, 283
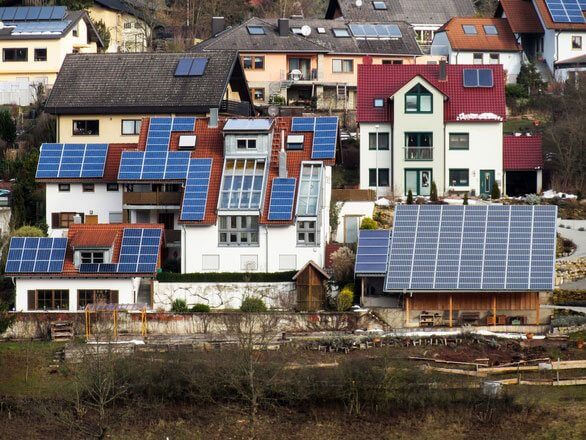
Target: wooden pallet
61, 331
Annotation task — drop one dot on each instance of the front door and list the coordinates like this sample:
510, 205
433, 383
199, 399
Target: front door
418, 181
486, 182
351, 227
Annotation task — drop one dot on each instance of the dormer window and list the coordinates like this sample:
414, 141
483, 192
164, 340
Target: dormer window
256, 30
295, 142
418, 100
246, 144
90, 256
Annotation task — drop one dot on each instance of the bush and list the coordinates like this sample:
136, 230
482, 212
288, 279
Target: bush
345, 298
200, 308
277, 100
226, 277
516, 91
7, 127
343, 265
465, 202
6, 319
252, 304
29, 231
433, 192
495, 194
533, 199
410, 197
179, 306
368, 223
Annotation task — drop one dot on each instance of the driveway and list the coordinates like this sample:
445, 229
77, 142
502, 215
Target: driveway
578, 237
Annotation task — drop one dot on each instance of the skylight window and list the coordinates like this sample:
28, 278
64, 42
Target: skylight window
469, 29
255, 30
341, 32
321, 30
378, 102
478, 78
242, 184
379, 6
489, 29
296, 30
309, 189
376, 30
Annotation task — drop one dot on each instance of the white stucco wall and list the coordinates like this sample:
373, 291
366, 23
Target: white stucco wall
549, 48
124, 286
372, 158
441, 45
353, 209
511, 61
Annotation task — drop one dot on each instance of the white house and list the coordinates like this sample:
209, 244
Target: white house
464, 40
430, 123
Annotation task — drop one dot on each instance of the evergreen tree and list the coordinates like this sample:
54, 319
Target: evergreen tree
433, 192
495, 194
410, 197
465, 202
7, 127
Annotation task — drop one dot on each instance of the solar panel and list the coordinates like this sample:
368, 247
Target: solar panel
566, 11
325, 134
46, 13
39, 27
248, 125
58, 12
375, 30
183, 66
372, 252
282, 196
36, 255
195, 194
471, 248
183, 123
72, 161
139, 251
21, 13
159, 134
7, 13
191, 66
33, 13
478, 78
153, 165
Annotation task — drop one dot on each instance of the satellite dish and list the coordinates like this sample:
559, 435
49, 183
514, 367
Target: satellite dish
295, 74
305, 31
273, 111
358, 3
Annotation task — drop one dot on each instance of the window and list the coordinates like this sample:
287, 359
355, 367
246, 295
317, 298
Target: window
351, 228
419, 146
88, 257
48, 299
342, 66
309, 189
494, 58
112, 187
255, 30
295, 142
576, 42
340, 32
75, 32
301, 64
131, 126
459, 177
258, 94
62, 220
296, 30
392, 61
253, 63
459, 141
477, 58
85, 297
41, 54
469, 29
114, 217
378, 102
86, 128
382, 143
248, 263
418, 100
127, 25
246, 143
64, 187
489, 29
187, 142
16, 54
242, 184
321, 30
379, 6
238, 230
87, 187
306, 233
382, 174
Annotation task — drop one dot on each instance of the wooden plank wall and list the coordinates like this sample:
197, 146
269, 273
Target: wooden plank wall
475, 301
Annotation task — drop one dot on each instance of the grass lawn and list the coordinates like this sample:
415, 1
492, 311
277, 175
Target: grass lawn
518, 125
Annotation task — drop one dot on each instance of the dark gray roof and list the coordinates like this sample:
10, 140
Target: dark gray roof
141, 83
238, 38
131, 7
412, 11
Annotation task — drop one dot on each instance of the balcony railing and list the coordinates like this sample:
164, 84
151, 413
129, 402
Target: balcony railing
235, 107
418, 153
152, 198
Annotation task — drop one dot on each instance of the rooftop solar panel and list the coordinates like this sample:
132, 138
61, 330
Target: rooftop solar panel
72, 161
247, 125
372, 252
478, 78
183, 66
139, 251
21, 13
33, 13
375, 30
58, 12
198, 66
282, 197
153, 165
46, 13
36, 255
325, 134
7, 13
566, 11
195, 194
183, 123
472, 248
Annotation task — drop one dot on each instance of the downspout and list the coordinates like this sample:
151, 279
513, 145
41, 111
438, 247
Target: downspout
557, 53
183, 245
267, 248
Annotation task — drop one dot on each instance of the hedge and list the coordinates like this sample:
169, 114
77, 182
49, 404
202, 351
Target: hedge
569, 297
226, 277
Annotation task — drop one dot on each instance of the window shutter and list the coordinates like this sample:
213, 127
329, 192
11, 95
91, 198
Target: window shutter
55, 220
114, 296
31, 300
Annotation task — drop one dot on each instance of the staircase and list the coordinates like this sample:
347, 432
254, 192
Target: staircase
279, 126
61, 331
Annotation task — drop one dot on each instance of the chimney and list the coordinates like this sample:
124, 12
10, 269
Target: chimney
213, 118
282, 157
283, 27
443, 70
218, 25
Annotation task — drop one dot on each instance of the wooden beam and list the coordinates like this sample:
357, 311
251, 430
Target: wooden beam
494, 307
407, 304
451, 310
537, 309
363, 287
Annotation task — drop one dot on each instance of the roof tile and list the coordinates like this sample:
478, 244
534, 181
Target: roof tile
522, 16
504, 41
522, 153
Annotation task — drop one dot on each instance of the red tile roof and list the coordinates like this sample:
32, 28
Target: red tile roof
504, 41
543, 11
384, 80
522, 153
92, 237
522, 16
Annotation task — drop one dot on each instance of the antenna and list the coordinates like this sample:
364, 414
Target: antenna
305, 31
358, 3
273, 111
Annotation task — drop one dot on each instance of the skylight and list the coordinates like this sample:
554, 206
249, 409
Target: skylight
321, 30
309, 189
379, 6
469, 29
242, 184
255, 30
296, 30
489, 29
375, 30
341, 32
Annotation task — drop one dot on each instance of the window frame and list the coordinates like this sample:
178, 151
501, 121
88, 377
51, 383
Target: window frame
419, 136
372, 136
84, 132
255, 30
342, 62
477, 56
493, 30
239, 170
459, 185
112, 187
88, 187
308, 181
469, 27
306, 228
35, 54
379, 6
377, 100
452, 147
376, 173
115, 213
15, 49
63, 299
66, 219
227, 228
576, 38
253, 92
92, 256
418, 94
64, 187
491, 58
253, 62
247, 144
136, 124
341, 32
112, 297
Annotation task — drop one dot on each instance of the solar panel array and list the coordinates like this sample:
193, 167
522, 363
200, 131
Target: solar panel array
153, 165
282, 196
373, 251
195, 195
183, 123
325, 134
191, 66
478, 78
471, 248
160, 130
566, 11
24, 13
376, 30
71, 161
40, 27
36, 255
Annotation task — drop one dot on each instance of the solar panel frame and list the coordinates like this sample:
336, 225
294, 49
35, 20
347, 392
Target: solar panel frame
195, 194
566, 11
198, 66
72, 161
282, 199
137, 254
325, 134
183, 66
372, 252
36, 255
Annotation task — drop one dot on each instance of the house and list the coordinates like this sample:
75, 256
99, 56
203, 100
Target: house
231, 194
522, 164
426, 17
448, 265
437, 123
113, 263
479, 41
34, 43
130, 28
310, 61
103, 97
352, 206
552, 33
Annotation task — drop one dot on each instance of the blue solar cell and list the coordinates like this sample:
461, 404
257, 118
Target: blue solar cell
21, 13
7, 13
303, 124
183, 123
33, 13
36, 255
372, 252
137, 254
183, 66
196, 190
72, 160
58, 12
282, 197
566, 11
198, 66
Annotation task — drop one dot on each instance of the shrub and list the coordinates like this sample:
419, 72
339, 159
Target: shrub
7, 127
343, 265
28, 231
345, 298
495, 194
433, 192
179, 306
200, 308
533, 199
368, 223
410, 197
515, 91
465, 202
252, 304
6, 320
277, 100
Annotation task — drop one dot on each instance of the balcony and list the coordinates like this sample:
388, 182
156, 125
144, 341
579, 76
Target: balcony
242, 108
418, 153
157, 198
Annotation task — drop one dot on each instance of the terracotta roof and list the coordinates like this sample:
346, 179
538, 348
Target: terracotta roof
91, 237
505, 41
522, 16
383, 81
353, 195
522, 153
543, 11
314, 265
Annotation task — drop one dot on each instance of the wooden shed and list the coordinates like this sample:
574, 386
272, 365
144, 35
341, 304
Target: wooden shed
310, 282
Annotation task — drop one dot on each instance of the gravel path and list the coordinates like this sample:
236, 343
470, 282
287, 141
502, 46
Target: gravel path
578, 237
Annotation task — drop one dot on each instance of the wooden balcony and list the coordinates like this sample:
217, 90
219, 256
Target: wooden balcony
152, 198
